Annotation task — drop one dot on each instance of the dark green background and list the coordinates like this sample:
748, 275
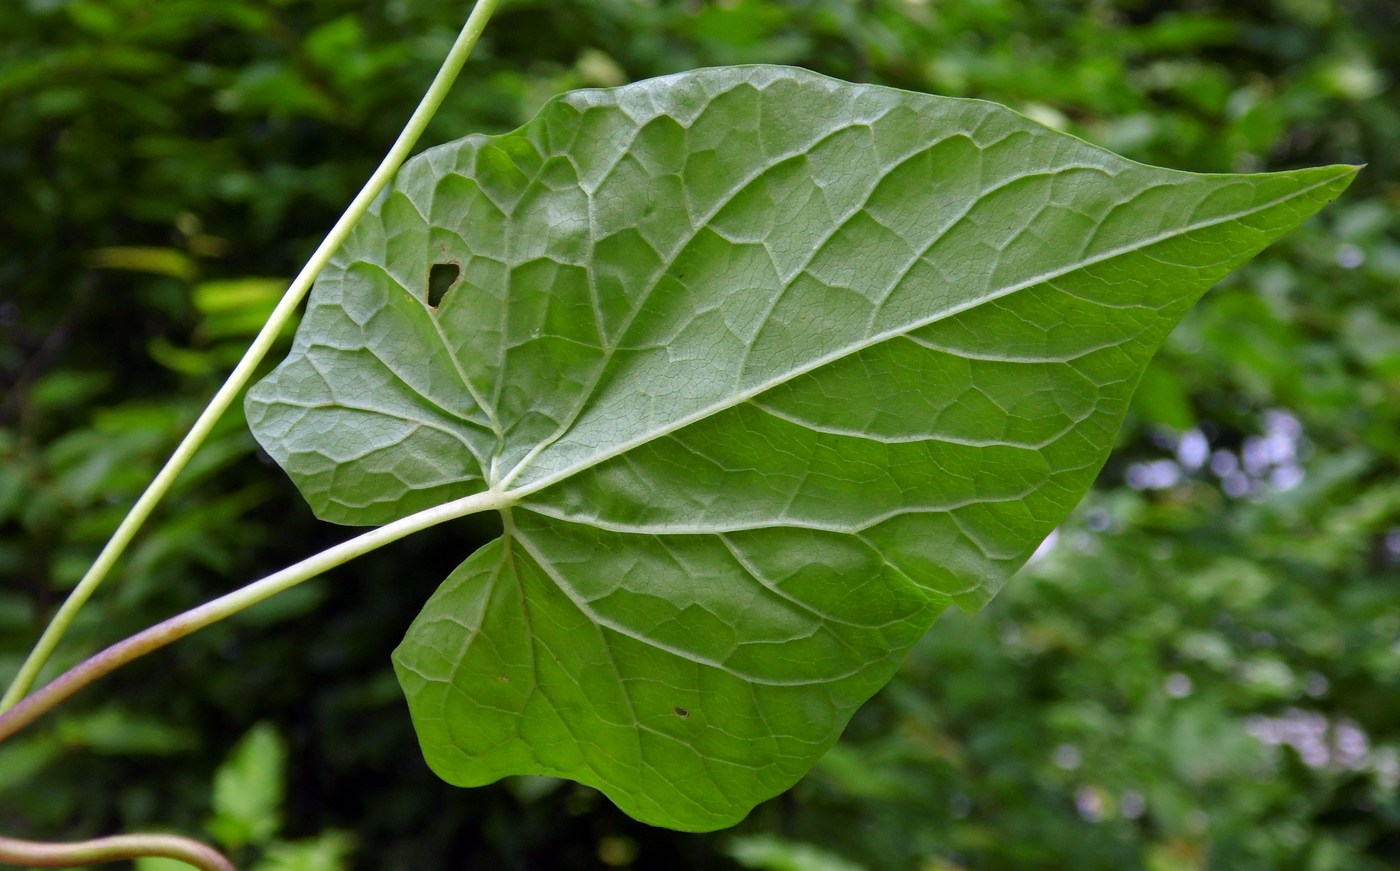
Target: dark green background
1202, 672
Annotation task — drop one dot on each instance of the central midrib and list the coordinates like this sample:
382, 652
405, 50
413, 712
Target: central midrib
869, 341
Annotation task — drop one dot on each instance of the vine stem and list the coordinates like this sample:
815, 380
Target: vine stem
243, 372
39, 854
177, 627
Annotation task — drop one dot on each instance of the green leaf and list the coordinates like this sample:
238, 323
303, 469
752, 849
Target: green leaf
118, 732
248, 790
768, 369
767, 853
157, 261
329, 851
236, 307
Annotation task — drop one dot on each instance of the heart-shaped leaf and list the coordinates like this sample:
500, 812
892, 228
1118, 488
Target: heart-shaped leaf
767, 369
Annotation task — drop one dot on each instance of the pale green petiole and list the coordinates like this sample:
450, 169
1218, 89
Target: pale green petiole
179, 626
238, 379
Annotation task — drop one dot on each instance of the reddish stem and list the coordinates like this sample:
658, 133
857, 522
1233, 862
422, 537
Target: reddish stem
41, 854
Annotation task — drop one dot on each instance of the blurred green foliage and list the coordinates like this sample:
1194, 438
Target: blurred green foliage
247, 797
1200, 670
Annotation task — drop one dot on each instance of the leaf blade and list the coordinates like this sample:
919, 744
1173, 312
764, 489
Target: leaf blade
772, 367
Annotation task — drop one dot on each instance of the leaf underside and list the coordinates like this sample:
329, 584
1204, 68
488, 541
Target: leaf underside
774, 367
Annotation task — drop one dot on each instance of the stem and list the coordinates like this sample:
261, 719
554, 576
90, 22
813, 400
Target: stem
243, 372
177, 627
39, 854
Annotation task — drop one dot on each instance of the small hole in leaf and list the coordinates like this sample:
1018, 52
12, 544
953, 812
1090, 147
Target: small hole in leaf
682, 713
441, 278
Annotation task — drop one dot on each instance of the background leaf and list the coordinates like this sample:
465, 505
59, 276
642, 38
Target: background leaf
327, 852
248, 790
772, 368
776, 854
